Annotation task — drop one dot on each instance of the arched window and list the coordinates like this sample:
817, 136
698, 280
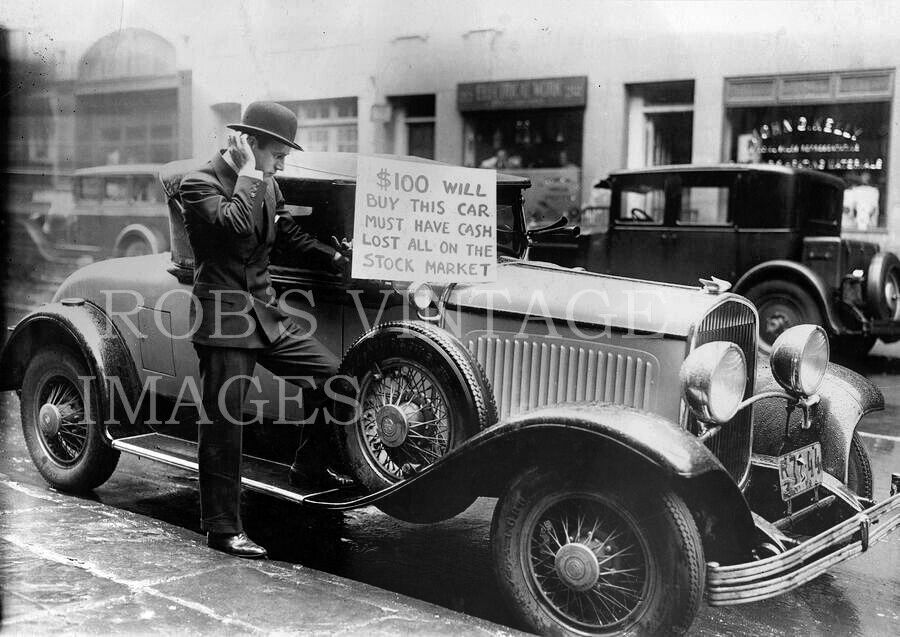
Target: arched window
127, 100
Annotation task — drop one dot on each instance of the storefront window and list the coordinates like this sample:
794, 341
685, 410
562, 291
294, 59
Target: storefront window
127, 128
548, 138
846, 140
835, 122
532, 128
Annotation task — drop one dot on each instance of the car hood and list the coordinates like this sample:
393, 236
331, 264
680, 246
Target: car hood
522, 288
585, 298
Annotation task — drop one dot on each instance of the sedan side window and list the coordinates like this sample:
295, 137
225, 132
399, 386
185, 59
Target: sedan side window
704, 206
642, 204
89, 188
116, 189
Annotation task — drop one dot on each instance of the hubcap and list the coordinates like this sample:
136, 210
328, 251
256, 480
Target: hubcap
405, 418
577, 566
587, 563
392, 423
776, 323
60, 421
49, 419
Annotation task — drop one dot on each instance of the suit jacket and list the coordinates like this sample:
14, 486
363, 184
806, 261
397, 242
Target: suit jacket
231, 224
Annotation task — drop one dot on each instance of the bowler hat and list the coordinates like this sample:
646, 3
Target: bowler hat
269, 118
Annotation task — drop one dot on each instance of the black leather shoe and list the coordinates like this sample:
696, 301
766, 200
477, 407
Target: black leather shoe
322, 477
237, 544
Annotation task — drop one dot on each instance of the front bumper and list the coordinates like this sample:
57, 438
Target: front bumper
778, 574
885, 328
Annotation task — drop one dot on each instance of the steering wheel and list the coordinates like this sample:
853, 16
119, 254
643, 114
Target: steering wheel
640, 215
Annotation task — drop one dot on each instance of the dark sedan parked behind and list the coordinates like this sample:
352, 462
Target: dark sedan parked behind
774, 232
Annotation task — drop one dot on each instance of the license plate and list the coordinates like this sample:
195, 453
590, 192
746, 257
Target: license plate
800, 470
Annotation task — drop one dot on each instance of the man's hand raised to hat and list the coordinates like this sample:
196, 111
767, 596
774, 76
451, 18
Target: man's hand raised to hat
241, 152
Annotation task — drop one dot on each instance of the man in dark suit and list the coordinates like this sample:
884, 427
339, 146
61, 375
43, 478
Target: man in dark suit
233, 208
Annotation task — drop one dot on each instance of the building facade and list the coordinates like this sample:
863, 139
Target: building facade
563, 93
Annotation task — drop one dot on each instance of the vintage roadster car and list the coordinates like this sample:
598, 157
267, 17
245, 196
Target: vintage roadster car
773, 231
641, 456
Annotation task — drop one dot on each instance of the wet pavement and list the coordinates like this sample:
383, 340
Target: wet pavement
76, 565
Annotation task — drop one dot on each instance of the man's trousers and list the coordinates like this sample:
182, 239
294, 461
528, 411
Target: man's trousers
225, 377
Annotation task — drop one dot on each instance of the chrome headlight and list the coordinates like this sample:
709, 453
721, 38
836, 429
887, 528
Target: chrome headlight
799, 357
713, 379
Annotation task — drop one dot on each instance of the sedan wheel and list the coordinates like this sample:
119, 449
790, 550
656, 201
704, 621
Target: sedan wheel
781, 305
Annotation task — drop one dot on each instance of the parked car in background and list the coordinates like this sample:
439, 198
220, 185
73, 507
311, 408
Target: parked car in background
116, 210
772, 231
642, 457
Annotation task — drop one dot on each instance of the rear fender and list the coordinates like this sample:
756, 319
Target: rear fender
85, 329
596, 440
796, 273
844, 398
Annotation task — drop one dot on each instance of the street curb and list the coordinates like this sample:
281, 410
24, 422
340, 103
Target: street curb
181, 584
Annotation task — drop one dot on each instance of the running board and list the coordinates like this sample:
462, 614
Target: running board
264, 476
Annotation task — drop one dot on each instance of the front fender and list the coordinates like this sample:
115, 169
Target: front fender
844, 398
85, 329
592, 439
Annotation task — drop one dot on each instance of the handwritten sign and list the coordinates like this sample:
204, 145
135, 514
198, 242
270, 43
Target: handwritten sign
424, 222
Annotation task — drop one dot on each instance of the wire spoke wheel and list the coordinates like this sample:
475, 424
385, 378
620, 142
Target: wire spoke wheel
60, 420
405, 417
421, 395
587, 562
60, 405
598, 556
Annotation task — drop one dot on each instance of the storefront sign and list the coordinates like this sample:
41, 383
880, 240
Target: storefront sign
424, 223
552, 92
823, 143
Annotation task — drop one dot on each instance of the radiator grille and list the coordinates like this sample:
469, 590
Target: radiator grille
532, 371
736, 322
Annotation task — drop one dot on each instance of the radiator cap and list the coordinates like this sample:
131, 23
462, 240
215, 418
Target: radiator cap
715, 285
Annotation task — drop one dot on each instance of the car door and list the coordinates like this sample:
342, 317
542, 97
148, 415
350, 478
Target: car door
636, 242
700, 231
332, 307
